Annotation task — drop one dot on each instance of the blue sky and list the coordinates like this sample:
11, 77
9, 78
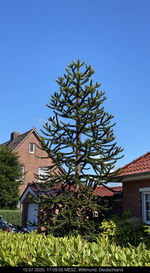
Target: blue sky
39, 38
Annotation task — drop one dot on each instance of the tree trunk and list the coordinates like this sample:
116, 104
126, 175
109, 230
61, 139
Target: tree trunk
78, 125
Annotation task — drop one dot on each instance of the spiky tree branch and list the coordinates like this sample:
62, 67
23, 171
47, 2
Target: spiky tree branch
80, 135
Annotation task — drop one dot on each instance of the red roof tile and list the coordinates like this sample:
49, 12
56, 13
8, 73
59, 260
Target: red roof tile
137, 166
105, 192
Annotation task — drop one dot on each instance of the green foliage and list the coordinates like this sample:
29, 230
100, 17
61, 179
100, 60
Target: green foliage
147, 229
123, 230
10, 178
40, 250
12, 216
147, 235
80, 133
70, 215
79, 137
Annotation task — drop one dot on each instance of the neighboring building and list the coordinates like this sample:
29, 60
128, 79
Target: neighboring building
30, 155
135, 177
111, 197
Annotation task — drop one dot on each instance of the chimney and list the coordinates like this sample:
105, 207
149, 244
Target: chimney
14, 135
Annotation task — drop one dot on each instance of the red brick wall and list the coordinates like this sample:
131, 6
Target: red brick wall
132, 198
30, 161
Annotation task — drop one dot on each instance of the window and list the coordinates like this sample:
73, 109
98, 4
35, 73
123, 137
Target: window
43, 173
145, 204
22, 170
22, 176
147, 207
32, 148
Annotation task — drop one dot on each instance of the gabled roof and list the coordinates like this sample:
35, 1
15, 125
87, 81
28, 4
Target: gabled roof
37, 190
140, 165
17, 141
14, 144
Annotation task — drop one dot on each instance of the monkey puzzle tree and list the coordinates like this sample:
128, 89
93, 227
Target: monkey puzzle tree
79, 136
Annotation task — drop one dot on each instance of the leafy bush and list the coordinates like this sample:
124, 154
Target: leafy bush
12, 216
40, 250
123, 230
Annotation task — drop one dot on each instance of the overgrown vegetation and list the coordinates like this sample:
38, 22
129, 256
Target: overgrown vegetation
124, 230
122, 241
40, 250
79, 137
12, 216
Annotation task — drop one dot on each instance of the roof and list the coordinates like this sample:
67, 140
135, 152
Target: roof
38, 190
102, 191
140, 165
18, 140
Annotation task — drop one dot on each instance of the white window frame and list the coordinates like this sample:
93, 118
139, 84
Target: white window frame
44, 172
144, 191
22, 170
32, 151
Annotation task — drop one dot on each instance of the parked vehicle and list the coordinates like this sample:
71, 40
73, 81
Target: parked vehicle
11, 227
16, 228
4, 225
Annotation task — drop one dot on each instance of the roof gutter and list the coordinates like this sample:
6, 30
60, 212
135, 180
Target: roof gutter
133, 177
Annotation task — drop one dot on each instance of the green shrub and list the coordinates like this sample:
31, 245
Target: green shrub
10, 178
40, 250
12, 216
123, 230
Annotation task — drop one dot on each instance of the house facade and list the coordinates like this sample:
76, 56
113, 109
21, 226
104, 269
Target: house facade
135, 177
35, 161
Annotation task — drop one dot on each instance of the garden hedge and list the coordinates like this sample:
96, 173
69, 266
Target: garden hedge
40, 250
12, 216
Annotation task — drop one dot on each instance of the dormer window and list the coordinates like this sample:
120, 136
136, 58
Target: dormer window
32, 148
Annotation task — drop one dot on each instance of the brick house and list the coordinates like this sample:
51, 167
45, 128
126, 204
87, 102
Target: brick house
135, 177
26, 145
